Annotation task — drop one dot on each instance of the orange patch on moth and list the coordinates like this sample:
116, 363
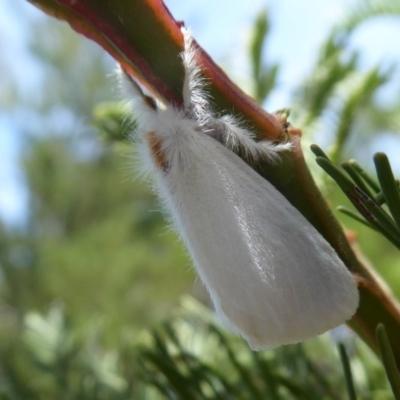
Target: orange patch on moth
155, 144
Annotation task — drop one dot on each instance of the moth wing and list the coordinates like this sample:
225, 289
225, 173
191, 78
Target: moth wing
272, 277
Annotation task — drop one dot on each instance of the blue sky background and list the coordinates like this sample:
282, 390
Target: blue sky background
222, 28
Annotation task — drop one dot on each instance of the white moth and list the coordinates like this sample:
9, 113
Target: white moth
272, 277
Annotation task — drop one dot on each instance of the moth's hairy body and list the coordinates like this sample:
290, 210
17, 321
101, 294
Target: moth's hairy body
272, 277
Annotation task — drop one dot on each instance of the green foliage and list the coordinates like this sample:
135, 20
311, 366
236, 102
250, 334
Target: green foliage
364, 10
369, 204
59, 363
338, 97
264, 78
111, 121
190, 357
94, 268
194, 350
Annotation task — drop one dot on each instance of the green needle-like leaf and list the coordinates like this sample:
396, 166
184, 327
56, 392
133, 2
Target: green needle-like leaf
347, 372
367, 178
356, 178
356, 217
336, 174
388, 185
388, 360
318, 151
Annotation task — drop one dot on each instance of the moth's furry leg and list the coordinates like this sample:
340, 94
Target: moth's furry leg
241, 141
195, 99
225, 129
